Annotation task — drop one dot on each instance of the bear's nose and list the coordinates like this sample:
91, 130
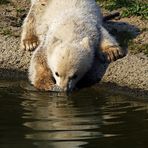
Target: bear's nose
67, 89
63, 88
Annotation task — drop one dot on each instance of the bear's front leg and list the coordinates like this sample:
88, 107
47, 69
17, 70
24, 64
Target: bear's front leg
39, 73
109, 47
44, 80
29, 37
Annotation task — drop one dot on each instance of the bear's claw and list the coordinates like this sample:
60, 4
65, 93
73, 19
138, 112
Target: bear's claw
30, 43
112, 53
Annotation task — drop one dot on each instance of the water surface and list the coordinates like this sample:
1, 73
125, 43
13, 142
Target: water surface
90, 118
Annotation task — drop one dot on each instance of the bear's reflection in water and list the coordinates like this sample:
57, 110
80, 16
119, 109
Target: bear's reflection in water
58, 117
83, 118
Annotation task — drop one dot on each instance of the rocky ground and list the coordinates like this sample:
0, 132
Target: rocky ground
131, 71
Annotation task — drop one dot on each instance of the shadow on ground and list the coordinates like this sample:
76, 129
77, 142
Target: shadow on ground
124, 33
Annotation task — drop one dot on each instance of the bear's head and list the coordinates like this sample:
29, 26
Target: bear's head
69, 62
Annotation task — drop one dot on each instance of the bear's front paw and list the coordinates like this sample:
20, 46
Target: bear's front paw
43, 85
47, 87
29, 42
46, 84
112, 53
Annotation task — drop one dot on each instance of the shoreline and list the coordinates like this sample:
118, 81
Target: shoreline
129, 73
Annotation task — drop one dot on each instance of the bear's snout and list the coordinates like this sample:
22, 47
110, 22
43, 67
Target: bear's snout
65, 85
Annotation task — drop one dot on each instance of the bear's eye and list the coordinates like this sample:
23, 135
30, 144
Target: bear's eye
74, 76
57, 74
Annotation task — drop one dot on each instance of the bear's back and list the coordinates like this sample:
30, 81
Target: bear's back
60, 13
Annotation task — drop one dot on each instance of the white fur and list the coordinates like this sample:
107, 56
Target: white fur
32, 68
59, 11
74, 24
68, 60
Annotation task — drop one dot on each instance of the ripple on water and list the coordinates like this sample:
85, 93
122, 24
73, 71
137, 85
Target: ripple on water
87, 118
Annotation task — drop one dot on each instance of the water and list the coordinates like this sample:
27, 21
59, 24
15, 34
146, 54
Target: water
90, 118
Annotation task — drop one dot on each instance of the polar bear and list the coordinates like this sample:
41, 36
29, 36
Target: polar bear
66, 36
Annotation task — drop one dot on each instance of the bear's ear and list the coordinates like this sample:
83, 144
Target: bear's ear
85, 42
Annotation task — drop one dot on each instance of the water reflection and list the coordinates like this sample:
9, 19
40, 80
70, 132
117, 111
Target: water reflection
88, 118
81, 117
60, 118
